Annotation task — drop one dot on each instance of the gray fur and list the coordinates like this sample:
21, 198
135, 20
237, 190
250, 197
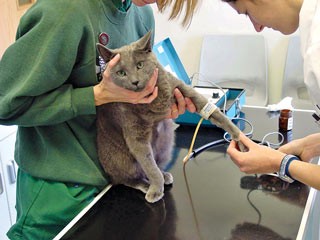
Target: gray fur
136, 141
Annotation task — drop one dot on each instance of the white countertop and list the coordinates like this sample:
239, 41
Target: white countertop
6, 131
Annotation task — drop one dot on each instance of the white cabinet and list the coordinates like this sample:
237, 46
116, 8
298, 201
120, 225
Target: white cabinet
8, 172
5, 221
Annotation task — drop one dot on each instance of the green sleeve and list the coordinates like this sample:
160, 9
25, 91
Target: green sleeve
38, 73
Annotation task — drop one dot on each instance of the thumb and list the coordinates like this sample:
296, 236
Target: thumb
114, 61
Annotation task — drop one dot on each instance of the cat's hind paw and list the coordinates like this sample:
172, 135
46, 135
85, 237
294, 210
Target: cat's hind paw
168, 178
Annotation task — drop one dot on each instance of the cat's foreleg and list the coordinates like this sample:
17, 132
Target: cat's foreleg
141, 185
154, 175
162, 143
215, 116
142, 152
221, 120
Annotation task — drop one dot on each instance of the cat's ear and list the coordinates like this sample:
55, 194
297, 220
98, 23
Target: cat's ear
144, 43
105, 53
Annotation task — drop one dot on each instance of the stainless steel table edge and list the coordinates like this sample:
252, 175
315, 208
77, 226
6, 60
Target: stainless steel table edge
82, 213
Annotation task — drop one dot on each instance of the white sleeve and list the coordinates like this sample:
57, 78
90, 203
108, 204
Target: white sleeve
311, 57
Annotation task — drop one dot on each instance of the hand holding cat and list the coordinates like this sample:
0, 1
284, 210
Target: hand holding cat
106, 91
181, 105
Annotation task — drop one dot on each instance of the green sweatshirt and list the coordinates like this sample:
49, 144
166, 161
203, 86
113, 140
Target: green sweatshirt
46, 84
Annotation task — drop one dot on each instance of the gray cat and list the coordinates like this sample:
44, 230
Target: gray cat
135, 141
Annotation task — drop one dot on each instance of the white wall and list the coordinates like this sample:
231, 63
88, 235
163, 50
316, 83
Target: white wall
217, 17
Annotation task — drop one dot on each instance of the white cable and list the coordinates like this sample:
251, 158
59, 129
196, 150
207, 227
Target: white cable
212, 84
270, 144
226, 135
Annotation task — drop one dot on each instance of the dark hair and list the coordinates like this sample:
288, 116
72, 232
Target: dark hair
229, 0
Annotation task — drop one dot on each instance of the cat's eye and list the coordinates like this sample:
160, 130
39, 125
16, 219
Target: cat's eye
122, 73
140, 65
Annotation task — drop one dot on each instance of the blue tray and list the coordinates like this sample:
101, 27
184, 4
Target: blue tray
168, 57
235, 100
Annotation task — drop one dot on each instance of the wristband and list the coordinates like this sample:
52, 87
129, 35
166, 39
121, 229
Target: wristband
284, 168
208, 109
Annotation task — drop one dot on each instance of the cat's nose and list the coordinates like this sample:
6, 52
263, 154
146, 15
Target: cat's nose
135, 83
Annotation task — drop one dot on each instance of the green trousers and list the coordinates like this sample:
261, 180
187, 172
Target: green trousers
44, 208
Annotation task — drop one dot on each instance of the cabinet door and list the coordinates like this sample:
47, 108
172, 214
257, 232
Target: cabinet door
9, 172
5, 222
10, 14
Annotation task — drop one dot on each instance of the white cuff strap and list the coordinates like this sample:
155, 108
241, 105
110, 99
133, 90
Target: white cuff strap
208, 109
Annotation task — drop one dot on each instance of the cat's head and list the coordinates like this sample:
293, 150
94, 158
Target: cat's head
136, 64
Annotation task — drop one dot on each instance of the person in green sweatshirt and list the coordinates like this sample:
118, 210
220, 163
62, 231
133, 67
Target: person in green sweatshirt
51, 81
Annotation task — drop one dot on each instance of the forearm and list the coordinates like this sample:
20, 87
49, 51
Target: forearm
60, 105
305, 148
312, 145
306, 173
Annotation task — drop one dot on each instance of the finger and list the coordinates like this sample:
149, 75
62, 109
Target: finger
114, 61
232, 147
152, 82
232, 144
150, 98
190, 105
110, 65
181, 104
174, 111
246, 141
148, 94
169, 115
155, 77
233, 152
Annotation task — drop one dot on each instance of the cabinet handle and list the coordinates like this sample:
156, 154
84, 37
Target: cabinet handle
12, 172
1, 184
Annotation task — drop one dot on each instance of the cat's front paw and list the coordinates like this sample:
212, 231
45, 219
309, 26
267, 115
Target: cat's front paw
154, 194
168, 178
242, 147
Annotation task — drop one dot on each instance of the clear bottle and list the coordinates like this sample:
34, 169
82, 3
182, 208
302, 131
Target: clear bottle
285, 120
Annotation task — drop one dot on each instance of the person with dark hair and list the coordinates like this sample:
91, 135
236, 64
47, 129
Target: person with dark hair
292, 159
